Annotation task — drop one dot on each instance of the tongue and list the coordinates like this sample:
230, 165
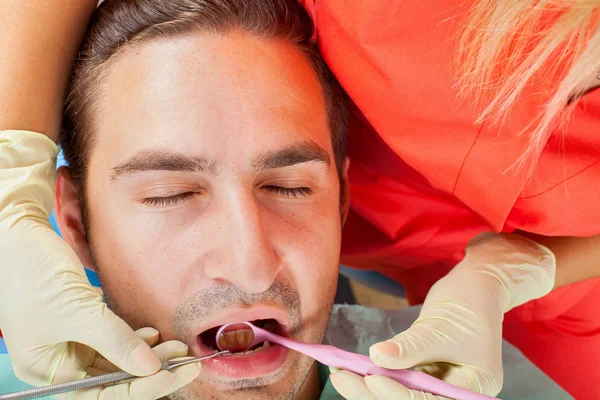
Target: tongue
236, 338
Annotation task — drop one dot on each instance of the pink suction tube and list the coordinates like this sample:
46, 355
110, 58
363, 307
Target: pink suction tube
362, 365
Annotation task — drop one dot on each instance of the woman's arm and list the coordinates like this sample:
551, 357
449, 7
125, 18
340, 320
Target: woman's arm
577, 258
39, 40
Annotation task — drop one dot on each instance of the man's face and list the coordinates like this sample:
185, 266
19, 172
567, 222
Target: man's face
213, 197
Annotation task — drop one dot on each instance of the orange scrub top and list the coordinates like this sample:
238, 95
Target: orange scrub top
425, 179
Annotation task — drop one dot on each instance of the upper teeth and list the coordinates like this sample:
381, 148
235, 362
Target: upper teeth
237, 340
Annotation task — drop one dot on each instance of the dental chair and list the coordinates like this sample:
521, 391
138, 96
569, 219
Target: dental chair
374, 280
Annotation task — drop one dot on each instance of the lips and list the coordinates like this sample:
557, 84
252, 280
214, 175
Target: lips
245, 363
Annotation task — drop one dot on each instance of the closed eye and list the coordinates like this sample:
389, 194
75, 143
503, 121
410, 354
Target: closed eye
289, 192
170, 200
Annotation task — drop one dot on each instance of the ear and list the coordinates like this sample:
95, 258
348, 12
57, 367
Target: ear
346, 195
68, 216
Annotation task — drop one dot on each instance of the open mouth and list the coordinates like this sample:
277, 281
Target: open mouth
248, 359
239, 338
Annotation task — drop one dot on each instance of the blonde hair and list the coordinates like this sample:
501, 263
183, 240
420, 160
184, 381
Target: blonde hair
507, 45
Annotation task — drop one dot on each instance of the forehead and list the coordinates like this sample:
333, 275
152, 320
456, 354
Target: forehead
220, 90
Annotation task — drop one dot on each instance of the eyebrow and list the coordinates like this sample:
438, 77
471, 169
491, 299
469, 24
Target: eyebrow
296, 154
161, 160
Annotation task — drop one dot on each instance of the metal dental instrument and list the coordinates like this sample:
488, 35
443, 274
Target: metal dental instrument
95, 381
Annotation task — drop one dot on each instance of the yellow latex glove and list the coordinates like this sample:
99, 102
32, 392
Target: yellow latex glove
458, 335
151, 387
53, 321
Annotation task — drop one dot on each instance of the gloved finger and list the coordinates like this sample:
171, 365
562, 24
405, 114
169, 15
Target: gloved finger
384, 388
96, 372
465, 376
155, 386
104, 365
420, 344
474, 379
110, 336
437, 370
148, 335
165, 351
169, 350
185, 374
351, 386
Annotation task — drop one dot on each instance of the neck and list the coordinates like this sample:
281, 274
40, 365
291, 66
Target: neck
311, 389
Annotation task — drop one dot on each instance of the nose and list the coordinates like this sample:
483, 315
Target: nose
248, 259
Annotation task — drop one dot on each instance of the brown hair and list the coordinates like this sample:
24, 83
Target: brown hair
507, 45
118, 24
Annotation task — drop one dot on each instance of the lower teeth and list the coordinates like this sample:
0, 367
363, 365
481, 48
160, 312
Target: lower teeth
264, 346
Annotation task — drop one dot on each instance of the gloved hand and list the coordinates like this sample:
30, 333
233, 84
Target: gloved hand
52, 320
458, 335
150, 387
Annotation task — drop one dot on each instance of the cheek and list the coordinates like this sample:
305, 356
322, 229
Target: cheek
137, 268
313, 260
124, 233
